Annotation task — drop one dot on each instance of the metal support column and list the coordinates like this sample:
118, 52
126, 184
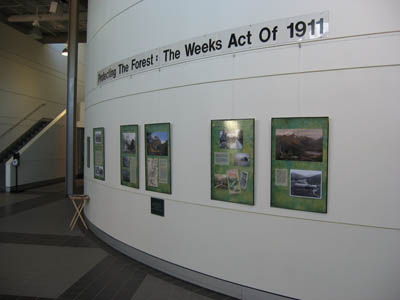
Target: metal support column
71, 93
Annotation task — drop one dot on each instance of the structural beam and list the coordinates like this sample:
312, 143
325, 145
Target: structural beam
61, 38
43, 18
71, 94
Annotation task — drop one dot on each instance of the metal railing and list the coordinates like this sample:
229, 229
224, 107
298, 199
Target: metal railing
23, 119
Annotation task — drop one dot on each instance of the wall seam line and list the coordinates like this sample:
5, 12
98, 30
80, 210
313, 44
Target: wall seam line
362, 35
150, 194
240, 78
49, 67
80, 82
112, 18
29, 96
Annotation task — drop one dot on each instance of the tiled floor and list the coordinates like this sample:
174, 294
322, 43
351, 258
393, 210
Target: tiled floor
40, 258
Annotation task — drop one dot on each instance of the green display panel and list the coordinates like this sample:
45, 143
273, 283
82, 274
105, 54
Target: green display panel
98, 153
129, 155
232, 160
299, 163
158, 157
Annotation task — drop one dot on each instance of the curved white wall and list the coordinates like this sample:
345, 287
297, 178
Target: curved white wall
352, 252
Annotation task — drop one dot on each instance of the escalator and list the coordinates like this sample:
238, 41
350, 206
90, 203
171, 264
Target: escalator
7, 153
17, 145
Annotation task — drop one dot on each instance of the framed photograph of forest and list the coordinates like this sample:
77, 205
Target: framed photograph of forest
158, 157
232, 160
129, 155
299, 163
98, 153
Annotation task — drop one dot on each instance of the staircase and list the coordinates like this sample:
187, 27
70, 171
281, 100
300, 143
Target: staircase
7, 153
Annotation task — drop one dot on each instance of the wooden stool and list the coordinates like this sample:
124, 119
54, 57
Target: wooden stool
79, 202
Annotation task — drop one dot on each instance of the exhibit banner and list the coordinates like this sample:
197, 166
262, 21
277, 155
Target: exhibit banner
261, 35
158, 157
129, 155
232, 160
299, 163
98, 153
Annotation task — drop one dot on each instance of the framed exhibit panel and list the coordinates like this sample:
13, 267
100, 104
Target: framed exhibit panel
299, 163
232, 160
98, 153
158, 157
129, 155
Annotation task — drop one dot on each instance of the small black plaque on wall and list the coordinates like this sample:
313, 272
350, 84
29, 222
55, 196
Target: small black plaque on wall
88, 151
157, 206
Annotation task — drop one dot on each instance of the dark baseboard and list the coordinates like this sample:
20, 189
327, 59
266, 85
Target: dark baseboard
197, 278
33, 185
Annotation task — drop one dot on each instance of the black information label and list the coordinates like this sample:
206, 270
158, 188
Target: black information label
88, 151
157, 206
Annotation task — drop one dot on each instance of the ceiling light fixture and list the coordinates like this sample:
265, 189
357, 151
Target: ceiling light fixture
35, 32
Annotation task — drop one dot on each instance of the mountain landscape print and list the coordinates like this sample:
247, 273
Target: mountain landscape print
305, 183
299, 144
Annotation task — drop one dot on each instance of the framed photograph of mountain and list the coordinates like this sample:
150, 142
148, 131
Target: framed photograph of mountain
129, 155
98, 153
158, 157
299, 163
232, 160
